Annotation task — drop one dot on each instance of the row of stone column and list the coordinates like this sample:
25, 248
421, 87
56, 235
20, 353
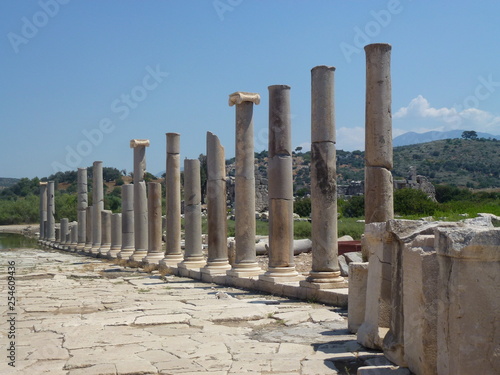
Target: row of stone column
137, 233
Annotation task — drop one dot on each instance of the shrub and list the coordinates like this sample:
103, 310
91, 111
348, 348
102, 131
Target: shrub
302, 207
413, 202
354, 207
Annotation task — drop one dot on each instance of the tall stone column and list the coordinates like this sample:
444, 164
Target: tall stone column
193, 249
281, 261
73, 230
98, 206
140, 200
246, 259
325, 271
116, 236
378, 135
51, 232
43, 209
173, 253
63, 232
217, 262
105, 232
82, 207
128, 242
88, 229
155, 252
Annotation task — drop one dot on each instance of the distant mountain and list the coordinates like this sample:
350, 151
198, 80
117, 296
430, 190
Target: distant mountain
412, 138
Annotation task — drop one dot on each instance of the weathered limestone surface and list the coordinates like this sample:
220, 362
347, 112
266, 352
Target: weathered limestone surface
378, 134
193, 253
140, 200
325, 271
128, 242
378, 292
82, 207
116, 236
155, 252
173, 253
468, 319
281, 261
73, 230
98, 206
217, 260
139, 323
43, 209
358, 275
105, 232
51, 234
245, 259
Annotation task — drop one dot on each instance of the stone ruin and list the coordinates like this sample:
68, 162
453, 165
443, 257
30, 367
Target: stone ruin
415, 181
429, 294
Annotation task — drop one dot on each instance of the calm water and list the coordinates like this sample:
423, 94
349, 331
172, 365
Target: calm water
13, 241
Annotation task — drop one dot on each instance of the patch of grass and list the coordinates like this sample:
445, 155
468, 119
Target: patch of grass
144, 290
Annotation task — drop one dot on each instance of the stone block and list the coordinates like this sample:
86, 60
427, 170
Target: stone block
468, 319
357, 295
344, 267
383, 370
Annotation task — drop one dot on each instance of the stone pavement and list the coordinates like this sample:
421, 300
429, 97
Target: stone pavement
78, 315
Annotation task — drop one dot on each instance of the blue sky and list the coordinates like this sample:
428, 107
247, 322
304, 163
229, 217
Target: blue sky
80, 78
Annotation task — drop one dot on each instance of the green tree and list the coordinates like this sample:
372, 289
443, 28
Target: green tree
302, 207
354, 207
469, 134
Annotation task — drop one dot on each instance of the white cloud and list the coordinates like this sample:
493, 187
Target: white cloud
444, 118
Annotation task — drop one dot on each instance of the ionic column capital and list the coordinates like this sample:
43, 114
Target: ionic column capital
240, 97
139, 143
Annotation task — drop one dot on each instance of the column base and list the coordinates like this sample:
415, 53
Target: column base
72, 247
216, 268
87, 248
171, 260
113, 253
125, 254
281, 274
80, 247
193, 262
94, 251
103, 251
245, 270
153, 258
324, 280
138, 255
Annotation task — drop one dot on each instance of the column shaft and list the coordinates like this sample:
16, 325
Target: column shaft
245, 259
281, 260
51, 234
82, 207
140, 200
43, 209
116, 236
325, 268
88, 229
193, 253
128, 242
105, 233
173, 253
98, 206
155, 252
378, 135
217, 261
63, 232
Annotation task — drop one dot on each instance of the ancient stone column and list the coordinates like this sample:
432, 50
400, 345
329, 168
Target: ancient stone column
63, 233
155, 252
105, 232
173, 253
116, 236
193, 250
51, 233
279, 172
82, 207
88, 229
140, 200
246, 259
43, 209
217, 262
128, 242
378, 135
325, 271
73, 231
98, 206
